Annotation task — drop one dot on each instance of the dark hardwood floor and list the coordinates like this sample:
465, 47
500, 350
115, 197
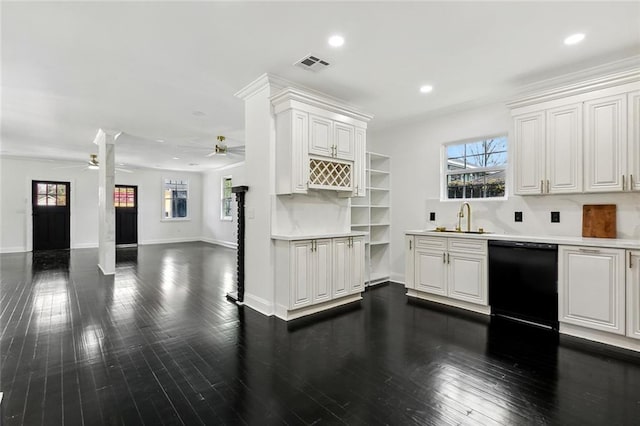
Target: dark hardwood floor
160, 344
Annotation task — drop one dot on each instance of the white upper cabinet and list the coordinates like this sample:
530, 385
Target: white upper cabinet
529, 153
548, 151
343, 141
564, 150
605, 139
633, 105
580, 138
320, 144
321, 136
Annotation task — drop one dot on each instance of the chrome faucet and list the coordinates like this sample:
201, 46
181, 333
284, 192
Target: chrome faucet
461, 215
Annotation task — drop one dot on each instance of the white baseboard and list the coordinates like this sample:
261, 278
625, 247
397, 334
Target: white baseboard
222, 243
84, 245
105, 273
396, 277
259, 304
600, 336
13, 250
486, 310
169, 241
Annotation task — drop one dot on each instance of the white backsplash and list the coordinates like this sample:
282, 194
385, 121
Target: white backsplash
317, 212
498, 216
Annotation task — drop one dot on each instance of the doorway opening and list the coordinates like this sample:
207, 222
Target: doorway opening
51, 215
125, 199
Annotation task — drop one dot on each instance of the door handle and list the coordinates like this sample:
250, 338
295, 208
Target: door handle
631, 182
541, 186
410, 241
547, 186
630, 261
448, 258
623, 185
444, 258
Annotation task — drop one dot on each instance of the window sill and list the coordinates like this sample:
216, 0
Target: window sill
473, 200
176, 219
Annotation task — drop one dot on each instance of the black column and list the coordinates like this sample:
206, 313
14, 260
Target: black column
240, 192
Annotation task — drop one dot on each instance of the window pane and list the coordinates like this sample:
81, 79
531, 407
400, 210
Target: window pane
475, 161
495, 184
42, 199
497, 144
455, 186
497, 159
455, 151
62, 200
42, 188
62, 189
456, 164
475, 148
51, 199
130, 202
51, 189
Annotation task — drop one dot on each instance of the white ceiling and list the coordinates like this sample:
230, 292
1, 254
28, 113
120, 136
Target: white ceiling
145, 68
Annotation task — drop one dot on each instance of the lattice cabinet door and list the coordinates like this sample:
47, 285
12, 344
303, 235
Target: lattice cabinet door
330, 174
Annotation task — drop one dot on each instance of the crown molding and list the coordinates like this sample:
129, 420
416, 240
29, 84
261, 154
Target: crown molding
578, 83
265, 80
290, 95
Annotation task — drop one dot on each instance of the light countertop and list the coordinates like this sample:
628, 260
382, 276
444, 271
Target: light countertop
317, 236
550, 239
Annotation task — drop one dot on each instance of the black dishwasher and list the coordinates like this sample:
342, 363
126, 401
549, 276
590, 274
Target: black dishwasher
523, 281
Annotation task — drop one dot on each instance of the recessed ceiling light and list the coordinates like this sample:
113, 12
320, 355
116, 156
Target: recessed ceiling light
120, 164
574, 39
160, 140
198, 113
336, 41
193, 164
176, 158
426, 89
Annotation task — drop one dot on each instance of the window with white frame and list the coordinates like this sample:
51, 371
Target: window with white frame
475, 169
175, 199
226, 199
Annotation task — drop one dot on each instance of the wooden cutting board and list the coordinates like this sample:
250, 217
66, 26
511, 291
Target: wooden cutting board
599, 221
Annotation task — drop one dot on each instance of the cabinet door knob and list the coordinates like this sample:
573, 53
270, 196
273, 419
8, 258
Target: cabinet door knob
623, 185
541, 186
630, 261
410, 244
547, 186
448, 258
631, 182
444, 257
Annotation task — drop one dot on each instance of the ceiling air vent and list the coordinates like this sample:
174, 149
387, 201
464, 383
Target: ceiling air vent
312, 63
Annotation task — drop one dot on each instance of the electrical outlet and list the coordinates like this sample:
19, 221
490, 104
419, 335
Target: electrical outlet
432, 216
517, 217
555, 217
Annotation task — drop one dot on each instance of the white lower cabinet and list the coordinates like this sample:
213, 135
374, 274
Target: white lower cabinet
591, 288
633, 294
455, 268
317, 272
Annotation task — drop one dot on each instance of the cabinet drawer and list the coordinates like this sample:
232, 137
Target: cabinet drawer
430, 242
467, 246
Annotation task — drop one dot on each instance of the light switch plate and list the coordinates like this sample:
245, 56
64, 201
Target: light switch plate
555, 217
432, 216
517, 217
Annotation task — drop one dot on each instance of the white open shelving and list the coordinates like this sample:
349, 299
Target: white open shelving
372, 214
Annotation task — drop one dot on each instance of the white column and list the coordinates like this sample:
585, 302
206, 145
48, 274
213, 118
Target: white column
259, 176
105, 139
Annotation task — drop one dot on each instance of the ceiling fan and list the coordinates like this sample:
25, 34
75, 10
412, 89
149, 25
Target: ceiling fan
93, 164
223, 149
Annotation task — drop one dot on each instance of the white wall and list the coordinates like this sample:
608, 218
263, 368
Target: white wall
15, 218
214, 229
415, 186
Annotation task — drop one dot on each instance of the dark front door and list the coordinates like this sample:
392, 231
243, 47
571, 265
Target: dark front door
51, 215
125, 200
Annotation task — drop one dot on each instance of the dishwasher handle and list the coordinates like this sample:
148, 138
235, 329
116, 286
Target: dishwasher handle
523, 244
